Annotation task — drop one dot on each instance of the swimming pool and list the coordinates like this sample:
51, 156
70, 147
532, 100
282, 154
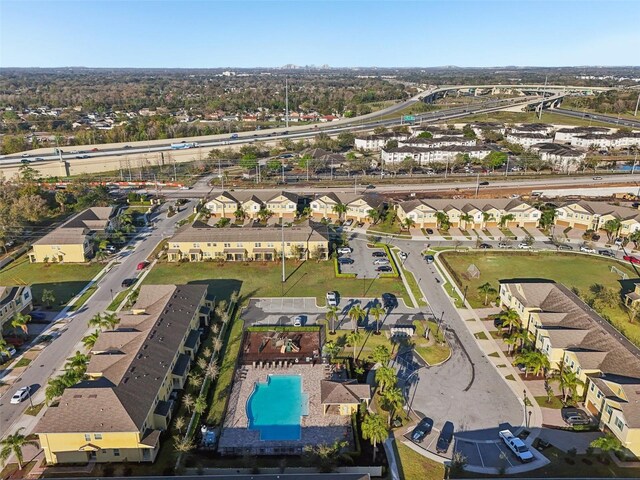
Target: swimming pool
275, 408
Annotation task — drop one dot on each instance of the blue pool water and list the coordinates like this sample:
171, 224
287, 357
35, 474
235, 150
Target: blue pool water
275, 407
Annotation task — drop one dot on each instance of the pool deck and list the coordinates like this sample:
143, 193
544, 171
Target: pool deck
316, 428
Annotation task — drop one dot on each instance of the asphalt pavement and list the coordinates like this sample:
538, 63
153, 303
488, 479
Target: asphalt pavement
53, 357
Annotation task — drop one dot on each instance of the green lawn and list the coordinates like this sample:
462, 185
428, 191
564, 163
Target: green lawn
529, 117
572, 270
65, 280
256, 279
413, 466
555, 402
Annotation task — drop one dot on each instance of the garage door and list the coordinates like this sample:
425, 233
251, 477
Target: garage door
562, 223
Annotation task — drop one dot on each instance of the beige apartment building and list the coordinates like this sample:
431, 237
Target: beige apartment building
202, 242
134, 373
356, 207
71, 242
584, 215
250, 203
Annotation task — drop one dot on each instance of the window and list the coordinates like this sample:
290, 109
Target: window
227, 245
619, 424
258, 244
593, 386
87, 437
608, 409
116, 452
98, 436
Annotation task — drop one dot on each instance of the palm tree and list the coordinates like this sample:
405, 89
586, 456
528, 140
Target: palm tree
98, 321
505, 219
392, 400
376, 312
511, 342
374, 430
568, 380
635, 238
188, 402
20, 322
264, 214
386, 377
374, 215
332, 349
352, 339
179, 424
200, 405
212, 371
77, 363
487, 290
48, 297
61, 199
13, 444
486, 217
538, 362
90, 340
442, 220
408, 223
511, 319
608, 443
612, 227
547, 217
4, 346
240, 214
332, 316
381, 355
466, 218
101, 255
111, 320
339, 209
356, 313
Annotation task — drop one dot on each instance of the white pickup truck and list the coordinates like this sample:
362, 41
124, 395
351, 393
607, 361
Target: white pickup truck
517, 446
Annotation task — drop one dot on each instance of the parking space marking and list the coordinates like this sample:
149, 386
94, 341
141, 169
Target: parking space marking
479, 454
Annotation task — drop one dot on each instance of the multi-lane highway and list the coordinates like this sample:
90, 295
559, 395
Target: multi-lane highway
598, 117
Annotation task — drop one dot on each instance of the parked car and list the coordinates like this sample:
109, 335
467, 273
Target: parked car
564, 246
370, 187
37, 315
142, 265
597, 178
484, 183
595, 237
403, 255
524, 246
345, 250
504, 245
587, 249
8, 354
381, 261
498, 322
348, 223
25, 155
421, 430
607, 253
379, 254
485, 246
332, 299
127, 282
384, 269
298, 320
429, 258
429, 231
345, 261
20, 396
25, 161
618, 242
111, 248
631, 259
389, 300
575, 416
444, 440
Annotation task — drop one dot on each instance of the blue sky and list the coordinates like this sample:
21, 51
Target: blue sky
118, 33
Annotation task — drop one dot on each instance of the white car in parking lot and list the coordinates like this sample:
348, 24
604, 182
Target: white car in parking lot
21, 395
381, 261
345, 250
332, 299
298, 320
504, 245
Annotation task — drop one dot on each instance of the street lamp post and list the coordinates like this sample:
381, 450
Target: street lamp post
111, 290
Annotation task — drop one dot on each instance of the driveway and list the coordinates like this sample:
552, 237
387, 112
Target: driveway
575, 235
456, 234
537, 235
518, 232
496, 233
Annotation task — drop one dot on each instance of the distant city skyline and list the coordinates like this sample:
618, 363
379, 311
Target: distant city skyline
217, 34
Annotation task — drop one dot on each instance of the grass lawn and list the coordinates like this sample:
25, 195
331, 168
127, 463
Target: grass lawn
572, 270
368, 342
392, 228
432, 354
65, 280
413, 284
530, 117
555, 402
23, 362
305, 279
413, 466
33, 411
83, 299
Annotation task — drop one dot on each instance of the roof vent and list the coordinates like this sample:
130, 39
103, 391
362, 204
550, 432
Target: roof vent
77, 396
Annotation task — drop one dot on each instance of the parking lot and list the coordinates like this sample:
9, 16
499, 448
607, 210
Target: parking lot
281, 311
363, 265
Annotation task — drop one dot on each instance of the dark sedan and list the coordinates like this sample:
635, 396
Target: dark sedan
444, 440
575, 416
384, 269
429, 231
378, 254
485, 245
389, 300
422, 430
345, 261
607, 253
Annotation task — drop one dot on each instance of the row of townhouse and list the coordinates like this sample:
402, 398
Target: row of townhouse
566, 135
345, 206
427, 155
229, 204
584, 215
201, 242
607, 141
573, 336
562, 158
14, 299
438, 142
480, 127
378, 141
71, 242
469, 214
437, 131
133, 378
527, 140
529, 128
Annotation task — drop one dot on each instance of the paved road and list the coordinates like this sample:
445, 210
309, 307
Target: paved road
598, 117
53, 356
467, 389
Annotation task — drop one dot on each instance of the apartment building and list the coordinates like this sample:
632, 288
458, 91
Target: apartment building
203, 242
562, 158
134, 374
584, 215
541, 128
574, 336
566, 135
437, 142
527, 140
480, 127
607, 141
357, 207
437, 132
426, 155
250, 203
469, 214
71, 242
377, 141
14, 299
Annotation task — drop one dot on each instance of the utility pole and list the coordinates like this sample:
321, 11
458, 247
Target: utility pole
286, 101
477, 185
635, 113
284, 276
543, 92
283, 173
355, 184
